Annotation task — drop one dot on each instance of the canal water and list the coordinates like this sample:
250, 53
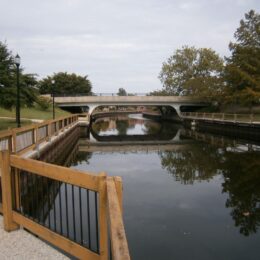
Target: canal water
187, 194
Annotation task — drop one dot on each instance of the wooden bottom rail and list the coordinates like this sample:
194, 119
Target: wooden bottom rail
54, 238
120, 249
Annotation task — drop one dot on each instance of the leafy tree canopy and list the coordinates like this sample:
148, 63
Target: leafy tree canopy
192, 71
243, 67
162, 92
65, 83
8, 81
122, 92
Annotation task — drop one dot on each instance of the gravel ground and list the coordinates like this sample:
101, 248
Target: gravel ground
23, 246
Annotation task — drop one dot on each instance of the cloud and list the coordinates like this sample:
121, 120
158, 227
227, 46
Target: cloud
118, 43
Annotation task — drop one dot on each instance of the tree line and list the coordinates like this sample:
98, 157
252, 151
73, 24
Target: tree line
201, 72
31, 87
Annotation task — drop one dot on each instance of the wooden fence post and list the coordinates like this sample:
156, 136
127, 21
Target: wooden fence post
36, 138
119, 190
14, 141
10, 145
49, 134
7, 193
103, 225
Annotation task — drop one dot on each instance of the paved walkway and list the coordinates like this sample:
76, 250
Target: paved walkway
23, 246
29, 119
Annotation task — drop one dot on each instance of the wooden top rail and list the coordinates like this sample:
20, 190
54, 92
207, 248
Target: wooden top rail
35, 125
5, 134
120, 249
26, 142
81, 179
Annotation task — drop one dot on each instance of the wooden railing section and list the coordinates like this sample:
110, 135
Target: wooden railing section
117, 232
17, 175
20, 140
234, 118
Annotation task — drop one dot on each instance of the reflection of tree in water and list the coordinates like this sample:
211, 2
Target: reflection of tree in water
197, 163
241, 178
81, 157
100, 126
151, 127
242, 183
122, 126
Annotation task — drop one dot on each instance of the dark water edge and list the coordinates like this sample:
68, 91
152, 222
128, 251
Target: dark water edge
189, 200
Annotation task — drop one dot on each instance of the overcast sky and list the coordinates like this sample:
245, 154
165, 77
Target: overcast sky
117, 43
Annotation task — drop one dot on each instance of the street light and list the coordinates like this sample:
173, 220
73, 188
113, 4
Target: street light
17, 61
53, 107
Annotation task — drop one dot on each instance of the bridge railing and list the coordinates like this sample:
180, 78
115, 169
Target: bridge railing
99, 94
236, 118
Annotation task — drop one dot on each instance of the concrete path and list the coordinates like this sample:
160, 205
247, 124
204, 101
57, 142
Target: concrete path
29, 119
22, 245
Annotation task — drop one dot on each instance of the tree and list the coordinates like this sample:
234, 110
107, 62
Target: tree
7, 91
121, 92
242, 71
162, 92
65, 83
191, 71
8, 81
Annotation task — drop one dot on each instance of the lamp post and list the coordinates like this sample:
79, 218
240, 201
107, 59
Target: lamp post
53, 106
17, 61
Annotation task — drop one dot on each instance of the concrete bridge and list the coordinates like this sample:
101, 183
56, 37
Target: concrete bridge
179, 103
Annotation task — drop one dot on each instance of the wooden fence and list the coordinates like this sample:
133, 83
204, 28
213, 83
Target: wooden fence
20, 140
224, 117
75, 211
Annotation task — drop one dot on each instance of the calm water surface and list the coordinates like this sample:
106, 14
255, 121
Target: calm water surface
190, 199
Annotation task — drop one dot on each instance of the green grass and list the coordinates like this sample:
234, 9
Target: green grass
34, 113
11, 123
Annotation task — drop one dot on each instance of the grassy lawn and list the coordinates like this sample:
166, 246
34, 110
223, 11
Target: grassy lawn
34, 113
11, 123
30, 113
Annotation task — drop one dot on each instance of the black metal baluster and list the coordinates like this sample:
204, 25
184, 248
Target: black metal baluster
19, 190
61, 230
30, 192
80, 215
88, 208
67, 216
96, 215
42, 199
38, 188
54, 204
22, 184
48, 203
110, 250
35, 197
73, 212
